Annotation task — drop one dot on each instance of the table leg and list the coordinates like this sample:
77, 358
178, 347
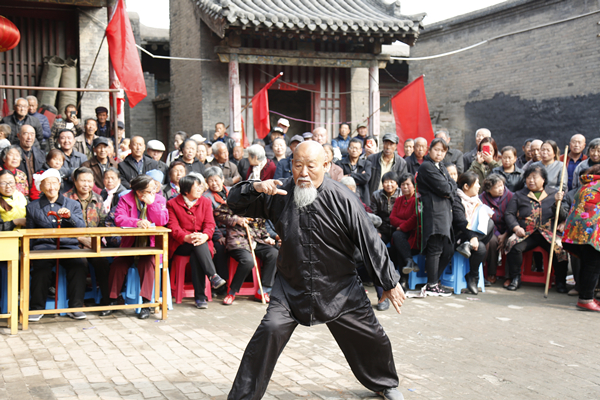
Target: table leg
157, 281
12, 294
165, 275
25, 285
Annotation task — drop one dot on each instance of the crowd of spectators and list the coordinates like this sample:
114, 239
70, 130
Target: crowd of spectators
487, 204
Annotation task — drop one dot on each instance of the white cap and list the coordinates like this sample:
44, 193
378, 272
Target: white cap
198, 138
49, 173
155, 145
283, 122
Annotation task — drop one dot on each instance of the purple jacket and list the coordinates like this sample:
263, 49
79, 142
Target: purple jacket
127, 216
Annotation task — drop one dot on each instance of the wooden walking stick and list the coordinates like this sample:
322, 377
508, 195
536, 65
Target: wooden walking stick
560, 186
262, 295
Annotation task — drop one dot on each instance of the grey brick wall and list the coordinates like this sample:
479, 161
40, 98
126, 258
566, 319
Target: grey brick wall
186, 81
90, 37
543, 83
142, 118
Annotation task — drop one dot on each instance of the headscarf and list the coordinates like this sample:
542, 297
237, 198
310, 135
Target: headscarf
49, 173
156, 175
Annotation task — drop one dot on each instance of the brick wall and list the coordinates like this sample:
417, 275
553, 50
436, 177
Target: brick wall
90, 37
142, 118
544, 83
186, 77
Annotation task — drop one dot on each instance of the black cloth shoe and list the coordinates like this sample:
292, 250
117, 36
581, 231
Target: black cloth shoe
384, 305
472, 283
106, 313
144, 313
515, 283
561, 287
391, 394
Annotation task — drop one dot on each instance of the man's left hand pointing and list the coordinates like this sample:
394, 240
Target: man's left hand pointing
269, 187
396, 297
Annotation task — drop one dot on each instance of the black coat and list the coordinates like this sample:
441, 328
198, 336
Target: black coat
316, 276
454, 156
116, 195
128, 170
382, 206
514, 180
11, 120
519, 208
37, 218
412, 165
468, 157
195, 166
437, 190
39, 159
399, 168
362, 176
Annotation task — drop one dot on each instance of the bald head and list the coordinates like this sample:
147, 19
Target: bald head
309, 164
576, 145
535, 148
480, 134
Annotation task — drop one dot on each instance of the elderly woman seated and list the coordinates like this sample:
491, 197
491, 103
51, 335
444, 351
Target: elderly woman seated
496, 196
217, 194
69, 212
530, 217
238, 247
192, 225
12, 203
261, 168
404, 221
176, 172
142, 208
189, 152
112, 189
11, 159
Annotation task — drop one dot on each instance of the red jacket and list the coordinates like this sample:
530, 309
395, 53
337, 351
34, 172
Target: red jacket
268, 171
183, 221
404, 216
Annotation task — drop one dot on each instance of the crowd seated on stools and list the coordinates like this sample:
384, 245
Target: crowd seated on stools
430, 209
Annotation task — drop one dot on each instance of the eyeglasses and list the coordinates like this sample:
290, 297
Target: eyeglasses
7, 184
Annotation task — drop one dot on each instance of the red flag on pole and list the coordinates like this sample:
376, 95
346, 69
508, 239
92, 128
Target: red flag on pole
5, 108
124, 55
412, 114
260, 110
244, 141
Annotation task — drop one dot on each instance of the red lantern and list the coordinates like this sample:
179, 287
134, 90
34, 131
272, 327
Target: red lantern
9, 35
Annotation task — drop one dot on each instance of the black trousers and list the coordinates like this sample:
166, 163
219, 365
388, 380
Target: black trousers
358, 333
267, 254
102, 271
221, 260
41, 276
477, 256
491, 257
514, 258
438, 254
589, 271
201, 264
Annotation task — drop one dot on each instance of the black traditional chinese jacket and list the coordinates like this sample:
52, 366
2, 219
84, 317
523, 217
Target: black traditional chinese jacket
317, 280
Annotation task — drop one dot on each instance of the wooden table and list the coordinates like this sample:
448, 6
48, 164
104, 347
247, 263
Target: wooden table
96, 234
9, 251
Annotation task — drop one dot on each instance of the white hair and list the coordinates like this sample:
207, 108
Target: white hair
216, 145
20, 98
348, 181
256, 151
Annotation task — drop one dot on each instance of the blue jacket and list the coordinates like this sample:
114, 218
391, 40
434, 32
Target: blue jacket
284, 168
37, 218
342, 144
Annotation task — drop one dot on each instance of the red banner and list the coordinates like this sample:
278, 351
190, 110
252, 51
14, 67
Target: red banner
260, 110
412, 114
124, 55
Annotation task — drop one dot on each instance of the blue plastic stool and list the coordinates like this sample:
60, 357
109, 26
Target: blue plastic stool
454, 274
418, 278
4, 289
132, 293
62, 292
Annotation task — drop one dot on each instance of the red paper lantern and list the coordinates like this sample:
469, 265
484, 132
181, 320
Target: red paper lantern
9, 35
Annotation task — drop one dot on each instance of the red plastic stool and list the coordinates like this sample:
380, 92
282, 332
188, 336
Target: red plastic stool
527, 275
248, 288
179, 286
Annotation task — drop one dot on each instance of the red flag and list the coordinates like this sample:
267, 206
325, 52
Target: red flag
244, 142
260, 110
124, 55
5, 108
412, 114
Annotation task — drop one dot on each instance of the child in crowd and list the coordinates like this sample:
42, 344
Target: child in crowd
453, 171
509, 171
54, 159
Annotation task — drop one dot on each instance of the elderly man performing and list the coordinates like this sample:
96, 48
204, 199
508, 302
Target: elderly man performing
320, 224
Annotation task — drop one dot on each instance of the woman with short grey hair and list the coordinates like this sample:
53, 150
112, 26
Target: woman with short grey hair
593, 159
261, 168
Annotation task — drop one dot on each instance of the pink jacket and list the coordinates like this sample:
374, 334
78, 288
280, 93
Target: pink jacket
127, 215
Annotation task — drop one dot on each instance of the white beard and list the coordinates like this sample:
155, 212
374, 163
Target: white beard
305, 196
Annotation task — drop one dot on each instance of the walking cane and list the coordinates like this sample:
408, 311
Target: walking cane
262, 295
58, 220
560, 185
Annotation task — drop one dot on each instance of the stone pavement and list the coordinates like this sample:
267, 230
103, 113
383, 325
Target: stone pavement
497, 345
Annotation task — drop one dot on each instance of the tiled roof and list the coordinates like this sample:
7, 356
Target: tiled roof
332, 16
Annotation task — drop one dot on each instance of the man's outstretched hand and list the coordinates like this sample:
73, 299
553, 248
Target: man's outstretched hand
269, 187
396, 296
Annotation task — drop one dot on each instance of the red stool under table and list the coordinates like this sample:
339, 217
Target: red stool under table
179, 287
527, 275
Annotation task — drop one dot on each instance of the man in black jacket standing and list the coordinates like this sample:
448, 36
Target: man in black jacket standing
320, 224
19, 118
32, 158
137, 163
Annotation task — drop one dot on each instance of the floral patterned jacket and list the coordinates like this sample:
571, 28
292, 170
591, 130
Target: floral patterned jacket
236, 234
581, 226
